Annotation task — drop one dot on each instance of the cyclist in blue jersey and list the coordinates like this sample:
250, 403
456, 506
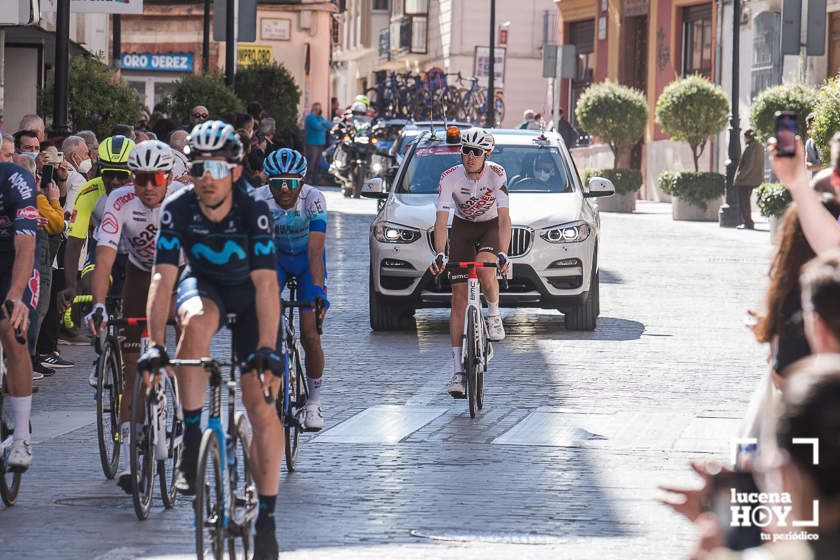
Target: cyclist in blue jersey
300, 233
226, 237
19, 290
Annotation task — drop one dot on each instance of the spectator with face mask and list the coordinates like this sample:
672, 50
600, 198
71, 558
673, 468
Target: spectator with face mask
77, 156
93, 149
35, 124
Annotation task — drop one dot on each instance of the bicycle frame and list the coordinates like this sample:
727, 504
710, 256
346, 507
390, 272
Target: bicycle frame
474, 302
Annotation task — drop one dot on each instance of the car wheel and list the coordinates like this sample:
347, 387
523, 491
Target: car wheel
585, 316
385, 316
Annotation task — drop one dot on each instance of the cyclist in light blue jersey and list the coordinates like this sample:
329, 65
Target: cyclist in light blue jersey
299, 212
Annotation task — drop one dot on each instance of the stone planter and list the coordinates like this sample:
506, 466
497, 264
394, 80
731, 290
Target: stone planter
774, 222
682, 210
618, 203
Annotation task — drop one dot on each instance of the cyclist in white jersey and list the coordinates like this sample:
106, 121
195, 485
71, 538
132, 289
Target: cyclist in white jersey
130, 220
477, 192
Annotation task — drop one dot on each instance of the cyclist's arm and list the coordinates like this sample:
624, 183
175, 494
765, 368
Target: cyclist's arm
317, 242
268, 310
443, 204
503, 207
21, 196
79, 224
23, 267
72, 252
105, 257
504, 229
163, 281
441, 219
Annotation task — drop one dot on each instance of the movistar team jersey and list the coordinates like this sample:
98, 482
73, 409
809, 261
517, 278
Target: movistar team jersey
18, 212
223, 252
292, 226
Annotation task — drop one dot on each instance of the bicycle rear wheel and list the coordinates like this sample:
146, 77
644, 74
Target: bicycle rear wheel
142, 451
109, 388
479, 378
174, 442
9, 480
298, 395
472, 366
209, 500
244, 492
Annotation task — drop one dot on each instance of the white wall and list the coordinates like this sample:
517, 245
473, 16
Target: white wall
21, 79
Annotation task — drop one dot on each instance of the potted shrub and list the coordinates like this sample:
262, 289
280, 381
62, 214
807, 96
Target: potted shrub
626, 182
800, 98
617, 115
691, 110
772, 199
826, 116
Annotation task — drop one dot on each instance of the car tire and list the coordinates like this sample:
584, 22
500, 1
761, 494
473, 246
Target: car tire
584, 317
385, 316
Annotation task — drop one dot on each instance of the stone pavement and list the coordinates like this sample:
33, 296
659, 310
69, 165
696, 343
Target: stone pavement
577, 430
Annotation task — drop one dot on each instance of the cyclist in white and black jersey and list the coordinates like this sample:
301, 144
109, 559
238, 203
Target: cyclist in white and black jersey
477, 192
130, 220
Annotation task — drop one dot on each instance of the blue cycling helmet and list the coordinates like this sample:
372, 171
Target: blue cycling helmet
284, 161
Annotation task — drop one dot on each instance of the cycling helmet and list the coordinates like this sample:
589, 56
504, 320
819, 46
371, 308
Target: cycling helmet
151, 156
362, 99
114, 152
478, 138
284, 161
358, 107
215, 138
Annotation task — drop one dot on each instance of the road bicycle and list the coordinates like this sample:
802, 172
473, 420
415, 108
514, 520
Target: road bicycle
476, 349
295, 391
226, 494
156, 434
9, 477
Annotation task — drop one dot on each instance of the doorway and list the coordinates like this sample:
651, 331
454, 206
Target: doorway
833, 44
635, 52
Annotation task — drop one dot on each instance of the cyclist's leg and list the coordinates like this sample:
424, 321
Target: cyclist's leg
135, 288
314, 353
462, 238
200, 314
487, 252
19, 364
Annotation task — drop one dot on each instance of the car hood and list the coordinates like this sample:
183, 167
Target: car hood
533, 210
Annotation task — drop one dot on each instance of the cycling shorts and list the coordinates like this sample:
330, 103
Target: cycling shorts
467, 239
30, 293
239, 300
297, 266
135, 291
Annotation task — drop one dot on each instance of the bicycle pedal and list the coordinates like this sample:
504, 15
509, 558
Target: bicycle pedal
17, 470
312, 429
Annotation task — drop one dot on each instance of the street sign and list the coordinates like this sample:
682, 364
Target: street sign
815, 45
481, 65
247, 18
566, 61
249, 55
166, 62
549, 61
792, 26
107, 6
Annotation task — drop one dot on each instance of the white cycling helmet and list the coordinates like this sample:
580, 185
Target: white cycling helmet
358, 107
478, 138
215, 138
151, 156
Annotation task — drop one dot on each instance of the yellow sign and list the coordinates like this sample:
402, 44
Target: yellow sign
249, 55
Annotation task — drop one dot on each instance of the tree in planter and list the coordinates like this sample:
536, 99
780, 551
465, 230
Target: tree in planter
691, 110
203, 89
772, 199
616, 114
275, 89
799, 98
97, 98
826, 115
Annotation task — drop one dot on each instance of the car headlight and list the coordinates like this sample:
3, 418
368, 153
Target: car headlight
387, 232
573, 232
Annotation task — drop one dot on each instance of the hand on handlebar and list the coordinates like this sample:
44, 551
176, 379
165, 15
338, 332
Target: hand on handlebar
265, 359
97, 319
502, 262
439, 264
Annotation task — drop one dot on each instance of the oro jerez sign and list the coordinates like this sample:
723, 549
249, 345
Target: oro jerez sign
165, 62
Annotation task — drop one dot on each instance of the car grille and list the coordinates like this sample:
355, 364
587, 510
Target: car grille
520, 242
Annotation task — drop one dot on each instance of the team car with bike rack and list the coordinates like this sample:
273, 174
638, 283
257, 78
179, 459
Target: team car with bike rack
556, 229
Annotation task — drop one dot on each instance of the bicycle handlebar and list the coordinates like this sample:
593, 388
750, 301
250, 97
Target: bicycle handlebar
318, 304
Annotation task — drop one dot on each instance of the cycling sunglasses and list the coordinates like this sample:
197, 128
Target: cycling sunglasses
278, 183
109, 175
200, 115
468, 151
217, 169
143, 178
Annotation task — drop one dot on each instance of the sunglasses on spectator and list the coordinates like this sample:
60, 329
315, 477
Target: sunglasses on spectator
109, 175
216, 169
279, 183
157, 179
545, 169
468, 151
200, 115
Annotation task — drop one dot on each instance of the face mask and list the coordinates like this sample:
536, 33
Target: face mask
84, 166
31, 155
543, 175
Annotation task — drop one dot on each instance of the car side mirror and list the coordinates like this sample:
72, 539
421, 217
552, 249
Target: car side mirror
391, 172
375, 188
599, 186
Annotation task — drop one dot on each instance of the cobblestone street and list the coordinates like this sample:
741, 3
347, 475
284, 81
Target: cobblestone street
577, 431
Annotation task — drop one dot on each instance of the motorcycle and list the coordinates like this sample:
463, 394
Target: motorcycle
352, 158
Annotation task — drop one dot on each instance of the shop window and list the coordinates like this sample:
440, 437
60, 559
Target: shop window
381, 5
582, 36
767, 52
697, 40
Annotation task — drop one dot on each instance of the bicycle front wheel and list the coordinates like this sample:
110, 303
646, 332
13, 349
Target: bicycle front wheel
298, 395
109, 389
142, 451
472, 360
174, 443
209, 500
243, 491
9, 480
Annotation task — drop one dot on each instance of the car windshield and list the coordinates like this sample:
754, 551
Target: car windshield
530, 169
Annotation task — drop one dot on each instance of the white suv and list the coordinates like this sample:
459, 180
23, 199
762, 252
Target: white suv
554, 247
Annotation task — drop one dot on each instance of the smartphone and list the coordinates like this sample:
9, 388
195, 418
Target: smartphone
786, 125
47, 173
722, 487
57, 158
